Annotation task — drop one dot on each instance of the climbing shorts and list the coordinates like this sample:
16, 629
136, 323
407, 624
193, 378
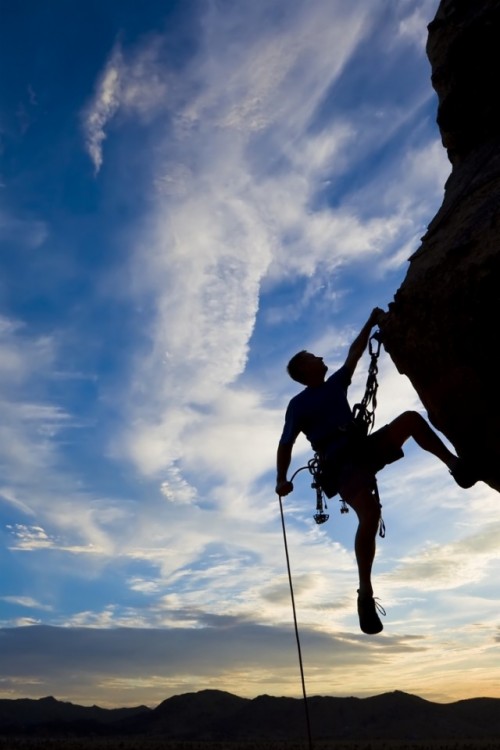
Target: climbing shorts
350, 466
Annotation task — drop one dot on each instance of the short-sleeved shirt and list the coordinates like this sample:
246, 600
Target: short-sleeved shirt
319, 411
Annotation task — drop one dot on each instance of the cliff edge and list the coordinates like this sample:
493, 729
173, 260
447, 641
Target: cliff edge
441, 328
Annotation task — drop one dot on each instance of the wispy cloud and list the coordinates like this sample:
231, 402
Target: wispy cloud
26, 601
103, 107
35, 479
27, 427
413, 23
136, 85
443, 566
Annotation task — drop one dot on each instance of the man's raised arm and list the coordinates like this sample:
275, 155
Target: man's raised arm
360, 343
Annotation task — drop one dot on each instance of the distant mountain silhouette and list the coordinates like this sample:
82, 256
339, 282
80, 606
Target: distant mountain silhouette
214, 715
25, 714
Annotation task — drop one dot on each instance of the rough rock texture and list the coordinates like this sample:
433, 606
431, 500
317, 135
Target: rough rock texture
442, 330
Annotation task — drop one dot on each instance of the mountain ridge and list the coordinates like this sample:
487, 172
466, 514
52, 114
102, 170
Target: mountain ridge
215, 715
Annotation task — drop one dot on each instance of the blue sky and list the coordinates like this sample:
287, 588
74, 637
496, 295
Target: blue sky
190, 193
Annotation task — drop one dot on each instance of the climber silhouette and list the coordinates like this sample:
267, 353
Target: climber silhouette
350, 460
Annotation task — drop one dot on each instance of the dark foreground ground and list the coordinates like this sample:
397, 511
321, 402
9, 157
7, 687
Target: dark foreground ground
46, 743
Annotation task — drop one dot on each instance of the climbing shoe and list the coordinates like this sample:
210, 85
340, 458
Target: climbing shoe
368, 609
464, 474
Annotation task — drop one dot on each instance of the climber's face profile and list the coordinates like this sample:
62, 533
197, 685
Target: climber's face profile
313, 368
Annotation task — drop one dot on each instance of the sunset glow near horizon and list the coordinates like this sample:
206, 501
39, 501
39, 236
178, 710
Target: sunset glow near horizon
191, 192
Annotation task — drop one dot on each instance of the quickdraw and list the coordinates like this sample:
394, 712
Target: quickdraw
364, 412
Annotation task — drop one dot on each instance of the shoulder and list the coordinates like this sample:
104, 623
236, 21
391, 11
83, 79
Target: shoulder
297, 400
341, 377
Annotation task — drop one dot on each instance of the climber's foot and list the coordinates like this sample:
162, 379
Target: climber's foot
464, 473
368, 609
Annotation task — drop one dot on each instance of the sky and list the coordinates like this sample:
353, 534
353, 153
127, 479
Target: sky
190, 192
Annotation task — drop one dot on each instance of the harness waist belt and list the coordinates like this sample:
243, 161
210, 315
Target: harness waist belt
340, 432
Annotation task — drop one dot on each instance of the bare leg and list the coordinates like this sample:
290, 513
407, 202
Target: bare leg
368, 512
367, 508
412, 424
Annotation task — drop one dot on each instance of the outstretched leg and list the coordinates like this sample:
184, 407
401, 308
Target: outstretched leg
412, 424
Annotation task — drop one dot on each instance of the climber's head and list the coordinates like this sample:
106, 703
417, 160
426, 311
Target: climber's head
307, 369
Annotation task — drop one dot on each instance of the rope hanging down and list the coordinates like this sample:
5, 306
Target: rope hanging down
299, 650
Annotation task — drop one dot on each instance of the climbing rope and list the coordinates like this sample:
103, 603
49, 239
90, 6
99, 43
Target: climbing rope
301, 665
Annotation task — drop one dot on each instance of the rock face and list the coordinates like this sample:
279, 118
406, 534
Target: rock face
441, 328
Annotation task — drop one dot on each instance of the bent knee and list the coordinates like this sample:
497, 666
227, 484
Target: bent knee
409, 417
403, 426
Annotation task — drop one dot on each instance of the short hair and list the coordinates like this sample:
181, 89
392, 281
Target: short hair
294, 367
